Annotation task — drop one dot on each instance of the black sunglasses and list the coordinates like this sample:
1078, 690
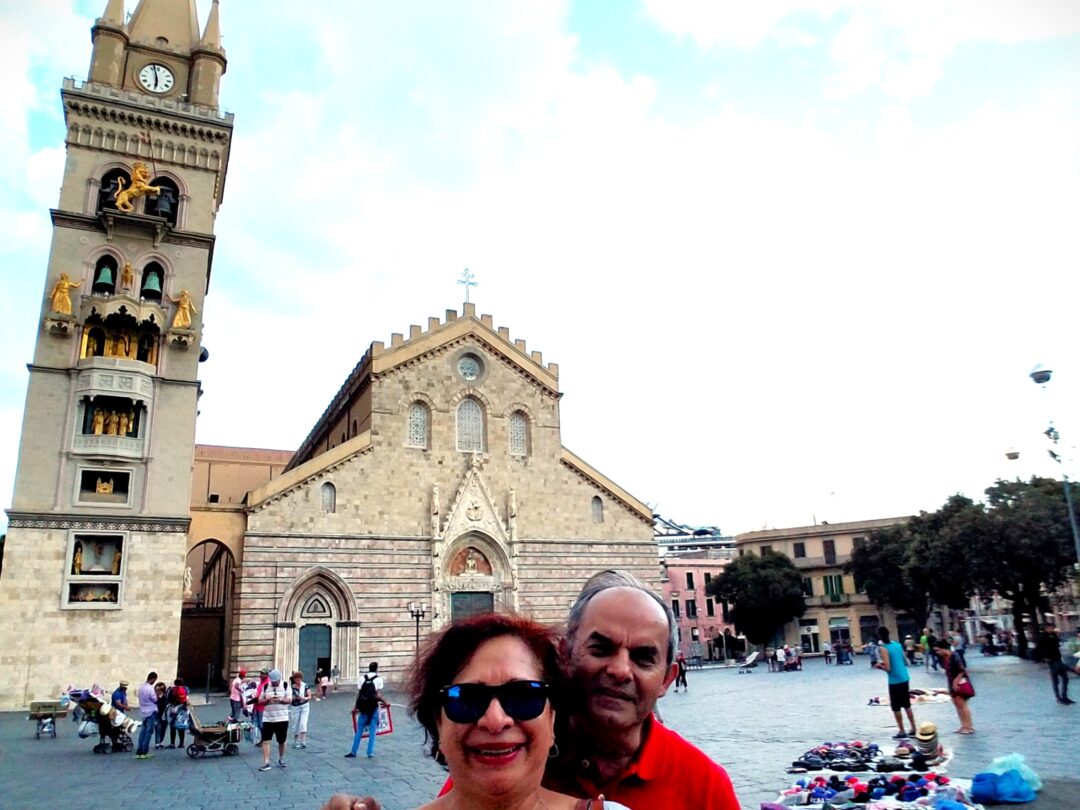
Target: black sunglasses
468, 702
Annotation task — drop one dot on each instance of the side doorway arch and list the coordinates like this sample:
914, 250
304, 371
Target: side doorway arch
206, 615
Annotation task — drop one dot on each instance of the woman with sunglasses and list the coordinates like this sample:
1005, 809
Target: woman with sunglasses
484, 690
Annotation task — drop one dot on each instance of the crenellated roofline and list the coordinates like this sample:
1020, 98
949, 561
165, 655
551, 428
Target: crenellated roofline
380, 360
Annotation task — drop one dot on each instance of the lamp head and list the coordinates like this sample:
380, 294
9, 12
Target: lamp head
1041, 375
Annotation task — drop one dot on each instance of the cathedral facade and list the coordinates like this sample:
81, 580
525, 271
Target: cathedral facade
435, 485
435, 482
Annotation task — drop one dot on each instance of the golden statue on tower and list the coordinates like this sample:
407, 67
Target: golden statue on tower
140, 187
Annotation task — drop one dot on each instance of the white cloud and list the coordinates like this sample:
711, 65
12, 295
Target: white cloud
748, 314
925, 33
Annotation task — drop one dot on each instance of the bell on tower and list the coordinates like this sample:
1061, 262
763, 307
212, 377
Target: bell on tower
105, 277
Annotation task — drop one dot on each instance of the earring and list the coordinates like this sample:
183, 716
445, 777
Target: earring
439, 758
553, 752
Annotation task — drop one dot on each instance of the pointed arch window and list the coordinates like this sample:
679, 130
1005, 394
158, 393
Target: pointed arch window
418, 425
597, 509
329, 498
519, 434
470, 426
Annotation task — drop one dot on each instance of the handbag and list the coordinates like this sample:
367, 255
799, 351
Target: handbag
963, 688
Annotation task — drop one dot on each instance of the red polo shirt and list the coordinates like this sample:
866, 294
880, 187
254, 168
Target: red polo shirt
668, 773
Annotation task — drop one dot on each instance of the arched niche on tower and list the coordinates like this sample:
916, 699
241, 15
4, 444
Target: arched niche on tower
111, 181
106, 275
167, 203
151, 281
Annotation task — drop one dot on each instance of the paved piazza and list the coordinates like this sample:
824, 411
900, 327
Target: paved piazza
753, 724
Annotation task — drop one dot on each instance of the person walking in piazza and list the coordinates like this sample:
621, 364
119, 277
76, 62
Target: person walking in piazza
826, 648
1048, 649
298, 712
148, 710
161, 724
891, 660
955, 676
236, 696
368, 700
909, 649
929, 656
619, 658
335, 674
177, 698
275, 700
959, 645
256, 706
680, 679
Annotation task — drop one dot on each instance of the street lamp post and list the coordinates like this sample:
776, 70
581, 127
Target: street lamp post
1041, 376
418, 612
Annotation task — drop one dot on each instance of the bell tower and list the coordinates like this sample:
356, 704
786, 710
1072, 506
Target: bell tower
93, 575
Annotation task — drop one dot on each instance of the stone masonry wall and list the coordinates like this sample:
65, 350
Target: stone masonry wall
44, 648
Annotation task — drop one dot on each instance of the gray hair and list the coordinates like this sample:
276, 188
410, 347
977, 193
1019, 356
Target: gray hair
618, 579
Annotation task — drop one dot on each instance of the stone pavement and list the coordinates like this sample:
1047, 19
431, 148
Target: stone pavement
753, 724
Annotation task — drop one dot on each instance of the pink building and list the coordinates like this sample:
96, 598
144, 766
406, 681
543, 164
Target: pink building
704, 631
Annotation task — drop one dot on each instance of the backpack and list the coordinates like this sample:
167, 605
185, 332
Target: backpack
366, 699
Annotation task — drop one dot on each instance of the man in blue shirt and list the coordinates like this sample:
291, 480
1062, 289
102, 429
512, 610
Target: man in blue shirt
119, 697
891, 659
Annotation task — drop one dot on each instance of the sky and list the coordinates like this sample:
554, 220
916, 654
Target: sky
795, 260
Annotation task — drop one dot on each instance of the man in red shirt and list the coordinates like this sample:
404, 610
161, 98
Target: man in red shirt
619, 653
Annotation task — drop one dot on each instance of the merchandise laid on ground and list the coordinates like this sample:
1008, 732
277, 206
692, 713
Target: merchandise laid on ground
860, 774
917, 696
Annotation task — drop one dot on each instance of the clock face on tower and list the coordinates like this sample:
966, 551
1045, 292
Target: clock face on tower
156, 78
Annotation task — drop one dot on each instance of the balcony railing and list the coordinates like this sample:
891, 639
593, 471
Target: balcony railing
123, 446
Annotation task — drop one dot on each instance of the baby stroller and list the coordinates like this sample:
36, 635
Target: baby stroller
95, 716
221, 738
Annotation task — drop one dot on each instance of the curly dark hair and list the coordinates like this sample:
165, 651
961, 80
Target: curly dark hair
447, 652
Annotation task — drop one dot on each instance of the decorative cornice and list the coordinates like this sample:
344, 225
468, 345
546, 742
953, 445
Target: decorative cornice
112, 523
91, 222
143, 110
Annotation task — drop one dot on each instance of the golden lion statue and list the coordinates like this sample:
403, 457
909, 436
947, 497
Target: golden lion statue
140, 187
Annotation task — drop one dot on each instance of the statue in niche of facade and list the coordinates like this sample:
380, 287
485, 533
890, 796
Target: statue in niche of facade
473, 512
99, 421
116, 562
112, 424
470, 562
127, 277
104, 488
185, 308
131, 423
60, 297
76, 559
125, 424
91, 346
187, 582
140, 187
